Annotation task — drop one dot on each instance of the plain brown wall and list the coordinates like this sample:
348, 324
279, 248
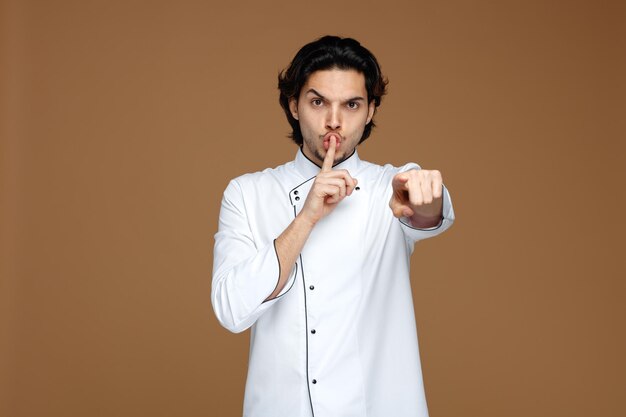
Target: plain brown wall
122, 122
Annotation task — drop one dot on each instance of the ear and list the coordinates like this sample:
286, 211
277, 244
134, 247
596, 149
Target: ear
370, 111
293, 107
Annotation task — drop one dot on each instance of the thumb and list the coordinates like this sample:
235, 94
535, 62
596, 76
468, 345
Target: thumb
400, 210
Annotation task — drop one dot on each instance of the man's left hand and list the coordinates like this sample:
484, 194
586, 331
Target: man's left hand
417, 194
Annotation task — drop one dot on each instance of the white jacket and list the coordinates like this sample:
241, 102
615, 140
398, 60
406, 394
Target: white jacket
338, 340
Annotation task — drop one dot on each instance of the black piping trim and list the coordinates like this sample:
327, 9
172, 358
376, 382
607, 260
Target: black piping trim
342, 161
294, 188
306, 334
291, 286
278, 282
306, 330
430, 229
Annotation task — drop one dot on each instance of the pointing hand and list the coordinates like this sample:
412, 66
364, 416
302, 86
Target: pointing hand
417, 194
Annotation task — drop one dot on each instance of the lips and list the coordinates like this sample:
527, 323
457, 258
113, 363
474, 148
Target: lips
327, 137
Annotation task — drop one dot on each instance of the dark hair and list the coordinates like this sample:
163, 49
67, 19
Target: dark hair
326, 53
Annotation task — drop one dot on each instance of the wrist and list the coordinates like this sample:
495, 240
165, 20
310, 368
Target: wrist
305, 221
422, 222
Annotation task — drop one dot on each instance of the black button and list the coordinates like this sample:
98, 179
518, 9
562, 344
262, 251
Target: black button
314, 381
297, 198
311, 287
295, 192
357, 188
313, 331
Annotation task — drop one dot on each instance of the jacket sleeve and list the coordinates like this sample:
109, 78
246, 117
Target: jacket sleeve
244, 272
414, 234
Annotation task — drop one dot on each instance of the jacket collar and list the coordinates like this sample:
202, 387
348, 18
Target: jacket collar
308, 168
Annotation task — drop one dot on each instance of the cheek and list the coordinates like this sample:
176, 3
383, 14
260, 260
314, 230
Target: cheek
309, 122
308, 129
309, 116
359, 122
357, 119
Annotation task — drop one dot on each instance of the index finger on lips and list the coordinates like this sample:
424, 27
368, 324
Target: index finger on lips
327, 165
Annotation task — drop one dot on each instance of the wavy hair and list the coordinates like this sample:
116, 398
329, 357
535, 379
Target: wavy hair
330, 52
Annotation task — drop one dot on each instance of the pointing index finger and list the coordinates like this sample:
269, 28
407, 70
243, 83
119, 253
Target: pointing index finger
330, 154
400, 182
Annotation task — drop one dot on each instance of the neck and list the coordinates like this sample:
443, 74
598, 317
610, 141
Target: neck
318, 160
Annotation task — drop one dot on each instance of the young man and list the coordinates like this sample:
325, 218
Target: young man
314, 254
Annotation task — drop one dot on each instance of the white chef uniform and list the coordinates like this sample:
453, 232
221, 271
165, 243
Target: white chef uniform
340, 339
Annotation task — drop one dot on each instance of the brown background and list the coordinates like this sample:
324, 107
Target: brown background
122, 123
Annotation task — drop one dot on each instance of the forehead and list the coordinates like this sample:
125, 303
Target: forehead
336, 83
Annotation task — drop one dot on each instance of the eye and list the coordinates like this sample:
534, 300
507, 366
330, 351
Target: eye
353, 105
317, 102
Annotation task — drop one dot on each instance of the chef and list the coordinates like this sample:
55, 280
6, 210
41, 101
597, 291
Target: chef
313, 255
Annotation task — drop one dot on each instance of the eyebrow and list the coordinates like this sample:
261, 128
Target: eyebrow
312, 90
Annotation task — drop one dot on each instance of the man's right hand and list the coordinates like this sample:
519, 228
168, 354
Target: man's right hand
330, 187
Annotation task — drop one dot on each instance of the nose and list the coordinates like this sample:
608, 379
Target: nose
333, 118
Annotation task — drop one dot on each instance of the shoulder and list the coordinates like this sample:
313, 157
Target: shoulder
262, 184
